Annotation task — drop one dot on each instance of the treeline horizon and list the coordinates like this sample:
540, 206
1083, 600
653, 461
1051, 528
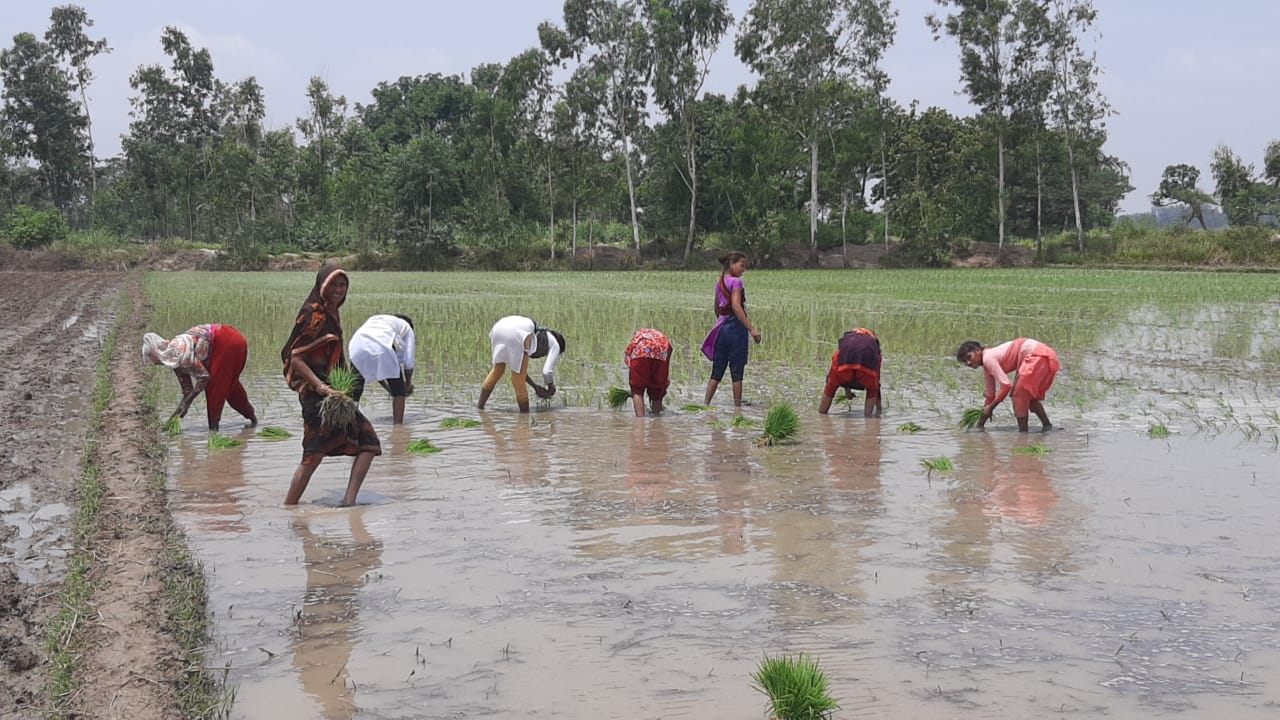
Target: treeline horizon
511, 159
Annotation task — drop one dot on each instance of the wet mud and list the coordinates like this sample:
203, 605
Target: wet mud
582, 563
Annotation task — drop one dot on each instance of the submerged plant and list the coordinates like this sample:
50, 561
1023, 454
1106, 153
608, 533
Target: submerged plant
421, 446
744, 422
339, 411
780, 425
796, 688
970, 418
938, 464
717, 424
1037, 449
1158, 431
909, 428
218, 441
695, 408
617, 397
272, 432
456, 423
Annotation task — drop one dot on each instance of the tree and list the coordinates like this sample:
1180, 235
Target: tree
1178, 186
66, 35
1271, 163
1235, 186
40, 120
802, 50
987, 32
617, 66
685, 36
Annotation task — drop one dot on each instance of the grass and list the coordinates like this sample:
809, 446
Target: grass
272, 432
173, 426
421, 446
218, 441
1158, 431
1037, 449
454, 423
780, 425
970, 418
617, 397
938, 464
909, 428
796, 688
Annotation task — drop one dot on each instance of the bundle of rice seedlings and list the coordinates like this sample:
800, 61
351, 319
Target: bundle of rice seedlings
218, 441
1036, 449
1158, 431
695, 408
272, 432
940, 464
173, 426
971, 418
456, 423
717, 424
617, 397
339, 412
744, 422
422, 446
909, 428
796, 688
780, 425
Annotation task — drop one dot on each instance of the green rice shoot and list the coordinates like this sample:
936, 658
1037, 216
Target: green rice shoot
339, 412
271, 432
1036, 449
173, 426
218, 441
938, 464
796, 688
970, 418
617, 397
742, 421
454, 423
421, 446
780, 425
909, 428
717, 424
1159, 431
695, 408
342, 380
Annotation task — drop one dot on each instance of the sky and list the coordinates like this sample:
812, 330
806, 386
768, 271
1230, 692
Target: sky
1182, 77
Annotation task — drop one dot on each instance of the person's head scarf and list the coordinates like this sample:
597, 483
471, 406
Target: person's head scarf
316, 324
155, 349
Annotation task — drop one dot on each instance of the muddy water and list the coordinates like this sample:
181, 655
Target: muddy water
581, 563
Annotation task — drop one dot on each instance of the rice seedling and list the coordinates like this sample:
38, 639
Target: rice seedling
421, 446
717, 425
1037, 449
218, 441
459, 423
617, 397
1158, 431
970, 418
909, 428
339, 411
696, 408
744, 422
173, 426
796, 688
272, 432
938, 464
780, 425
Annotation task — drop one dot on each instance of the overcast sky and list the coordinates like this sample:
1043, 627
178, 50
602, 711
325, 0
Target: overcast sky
1182, 76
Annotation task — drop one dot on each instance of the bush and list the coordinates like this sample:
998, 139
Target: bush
30, 229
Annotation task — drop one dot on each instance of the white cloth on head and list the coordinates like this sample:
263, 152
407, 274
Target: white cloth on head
381, 346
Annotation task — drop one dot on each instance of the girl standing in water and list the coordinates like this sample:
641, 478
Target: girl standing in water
726, 345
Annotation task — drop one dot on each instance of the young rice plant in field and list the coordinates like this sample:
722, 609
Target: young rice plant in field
909, 428
970, 418
796, 688
173, 426
1158, 431
272, 432
339, 412
1036, 449
458, 423
780, 425
695, 408
218, 441
744, 422
421, 446
618, 397
938, 464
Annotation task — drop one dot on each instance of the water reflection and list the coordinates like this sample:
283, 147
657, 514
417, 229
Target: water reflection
649, 462
337, 563
966, 531
728, 467
212, 483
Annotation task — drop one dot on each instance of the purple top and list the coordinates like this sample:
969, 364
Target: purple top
730, 282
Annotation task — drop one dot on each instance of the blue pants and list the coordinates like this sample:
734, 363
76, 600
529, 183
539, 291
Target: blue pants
731, 350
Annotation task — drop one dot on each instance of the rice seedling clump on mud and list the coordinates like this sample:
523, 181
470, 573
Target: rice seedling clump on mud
272, 432
339, 411
218, 441
970, 418
695, 408
459, 423
909, 428
938, 464
780, 425
421, 446
173, 426
1036, 449
1158, 431
796, 688
744, 422
618, 397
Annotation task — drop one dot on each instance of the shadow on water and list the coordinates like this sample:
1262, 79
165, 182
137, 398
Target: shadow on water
583, 563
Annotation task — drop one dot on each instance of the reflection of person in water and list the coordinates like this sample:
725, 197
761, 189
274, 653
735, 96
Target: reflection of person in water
649, 463
514, 451
209, 486
966, 534
336, 564
853, 455
730, 472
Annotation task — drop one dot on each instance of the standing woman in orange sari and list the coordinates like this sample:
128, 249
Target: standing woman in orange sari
313, 350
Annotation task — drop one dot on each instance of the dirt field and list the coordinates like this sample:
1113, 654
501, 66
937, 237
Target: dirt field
53, 326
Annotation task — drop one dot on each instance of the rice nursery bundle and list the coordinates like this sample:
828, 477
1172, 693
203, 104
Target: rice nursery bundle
618, 397
1158, 431
796, 688
1036, 449
173, 426
218, 441
695, 408
339, 412
272, 432
421, 446
909, 428
458, 423
744, 422
970, 418
939, 464
780, 425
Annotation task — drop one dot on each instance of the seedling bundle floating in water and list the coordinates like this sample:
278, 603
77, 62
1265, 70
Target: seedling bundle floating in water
421, 446
456, 423
617, 397
1036, 449
695, 408
909, 428
271, 432
938, 464
340, 411
780, 425
218, 441
1158, 431
796, 687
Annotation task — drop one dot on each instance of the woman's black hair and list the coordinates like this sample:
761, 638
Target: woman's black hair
731, 257
407, 319
560, 339
967, 347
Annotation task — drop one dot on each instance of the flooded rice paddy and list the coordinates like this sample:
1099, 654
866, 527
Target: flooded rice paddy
581, 563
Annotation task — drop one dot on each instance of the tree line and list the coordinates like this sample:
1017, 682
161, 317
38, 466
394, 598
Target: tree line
602, 132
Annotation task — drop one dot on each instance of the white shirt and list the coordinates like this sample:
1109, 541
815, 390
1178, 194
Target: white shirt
381, 346
512, 338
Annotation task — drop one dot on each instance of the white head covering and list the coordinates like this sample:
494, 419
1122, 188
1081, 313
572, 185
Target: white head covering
153, 349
